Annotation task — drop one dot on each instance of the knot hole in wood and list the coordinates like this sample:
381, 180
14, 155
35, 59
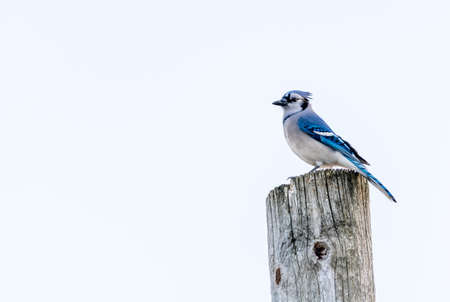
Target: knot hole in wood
321, 250
277, 276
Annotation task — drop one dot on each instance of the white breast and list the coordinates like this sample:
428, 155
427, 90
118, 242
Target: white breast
308, 149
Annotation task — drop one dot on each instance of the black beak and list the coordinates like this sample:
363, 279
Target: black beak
280, 103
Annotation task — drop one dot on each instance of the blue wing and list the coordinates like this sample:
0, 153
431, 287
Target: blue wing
315, 127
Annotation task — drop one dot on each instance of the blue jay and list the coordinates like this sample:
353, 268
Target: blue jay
313, 141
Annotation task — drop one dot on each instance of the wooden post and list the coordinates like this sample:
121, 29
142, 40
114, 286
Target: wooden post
319, 239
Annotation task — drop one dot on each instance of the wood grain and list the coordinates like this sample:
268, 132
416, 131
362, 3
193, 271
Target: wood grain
319, 238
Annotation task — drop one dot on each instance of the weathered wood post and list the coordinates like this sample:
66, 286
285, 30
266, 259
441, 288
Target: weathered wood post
319, 239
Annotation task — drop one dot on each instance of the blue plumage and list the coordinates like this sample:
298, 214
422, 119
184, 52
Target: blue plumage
371, 178
314, 126
312, 139
304, 94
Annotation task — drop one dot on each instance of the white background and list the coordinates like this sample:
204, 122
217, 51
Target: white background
138, 141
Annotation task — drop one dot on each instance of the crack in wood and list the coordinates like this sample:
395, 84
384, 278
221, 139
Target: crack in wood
319, 238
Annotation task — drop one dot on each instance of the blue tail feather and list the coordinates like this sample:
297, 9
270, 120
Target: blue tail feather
362, 169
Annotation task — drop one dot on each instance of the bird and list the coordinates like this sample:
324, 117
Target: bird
311, 139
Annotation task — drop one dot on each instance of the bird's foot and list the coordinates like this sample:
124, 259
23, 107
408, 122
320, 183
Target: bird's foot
314, 169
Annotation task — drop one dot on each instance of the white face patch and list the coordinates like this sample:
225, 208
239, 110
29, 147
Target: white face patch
323, 133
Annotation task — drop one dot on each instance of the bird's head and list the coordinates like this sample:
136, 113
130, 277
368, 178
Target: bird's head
294, 100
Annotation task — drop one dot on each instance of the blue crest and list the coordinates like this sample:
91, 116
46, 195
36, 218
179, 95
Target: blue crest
305, 94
